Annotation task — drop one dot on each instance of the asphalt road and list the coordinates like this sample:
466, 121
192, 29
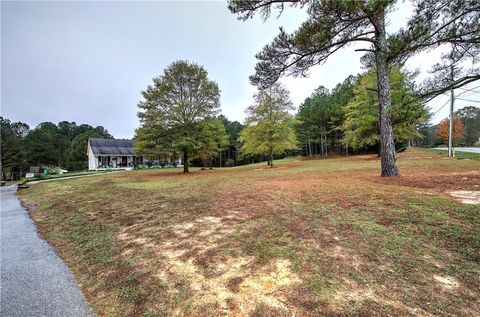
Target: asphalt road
462, 149
34, 279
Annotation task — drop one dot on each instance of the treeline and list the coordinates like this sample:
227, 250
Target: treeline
342, 121
179, 117
346, 119
63, 144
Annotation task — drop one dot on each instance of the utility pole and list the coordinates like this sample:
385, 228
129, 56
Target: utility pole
450, 128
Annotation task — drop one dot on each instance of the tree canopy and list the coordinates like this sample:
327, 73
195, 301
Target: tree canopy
320, 117
213, 139
47, 144
269, 127
470, 117
443, 130
12, 145
173, 107
361, 114
76, 156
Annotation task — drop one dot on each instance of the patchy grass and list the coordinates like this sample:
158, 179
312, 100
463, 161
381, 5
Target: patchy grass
309, 237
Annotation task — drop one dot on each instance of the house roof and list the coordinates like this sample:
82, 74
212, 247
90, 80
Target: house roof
111, 146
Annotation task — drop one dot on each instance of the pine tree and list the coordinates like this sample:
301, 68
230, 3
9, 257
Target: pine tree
332, 25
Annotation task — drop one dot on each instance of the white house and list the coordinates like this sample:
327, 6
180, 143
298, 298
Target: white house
110, 153
118, 154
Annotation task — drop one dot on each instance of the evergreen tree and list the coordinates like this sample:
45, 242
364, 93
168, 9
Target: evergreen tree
76, 157
229, 157
14, 158
361, 127
213, 139
44, 145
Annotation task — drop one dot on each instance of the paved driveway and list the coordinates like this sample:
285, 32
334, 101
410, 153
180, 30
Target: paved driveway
462, 149
34, 279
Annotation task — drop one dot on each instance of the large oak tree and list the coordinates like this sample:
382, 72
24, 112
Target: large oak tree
332, 25
172, 109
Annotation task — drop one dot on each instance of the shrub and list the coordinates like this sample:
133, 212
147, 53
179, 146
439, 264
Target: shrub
53, 170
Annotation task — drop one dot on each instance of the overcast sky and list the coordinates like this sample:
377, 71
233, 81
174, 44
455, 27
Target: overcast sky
88, 61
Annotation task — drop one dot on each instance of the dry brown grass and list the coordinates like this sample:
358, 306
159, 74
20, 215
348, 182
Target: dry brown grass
309, 238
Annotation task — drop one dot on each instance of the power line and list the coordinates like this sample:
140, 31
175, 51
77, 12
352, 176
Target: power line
473, 92
471, 89
457, 97
468, 100
442, 107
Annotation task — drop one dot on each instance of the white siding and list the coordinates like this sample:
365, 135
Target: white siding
92, 159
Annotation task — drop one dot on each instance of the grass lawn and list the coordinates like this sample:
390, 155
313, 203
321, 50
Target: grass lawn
458, 154
309, 238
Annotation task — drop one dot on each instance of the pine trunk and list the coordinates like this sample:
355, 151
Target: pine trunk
387, 146
326, 146
185, 161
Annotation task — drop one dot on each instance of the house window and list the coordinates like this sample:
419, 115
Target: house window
103, 160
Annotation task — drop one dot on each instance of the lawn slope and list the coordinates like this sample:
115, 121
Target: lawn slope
309, 237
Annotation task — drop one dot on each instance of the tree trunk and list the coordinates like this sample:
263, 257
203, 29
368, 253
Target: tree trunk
270, 157
185, 161
326, 145
387, 146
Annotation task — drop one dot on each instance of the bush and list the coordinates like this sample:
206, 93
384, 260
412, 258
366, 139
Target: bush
53, 170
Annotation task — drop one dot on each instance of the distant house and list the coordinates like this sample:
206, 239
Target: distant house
120, 154
111, 153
